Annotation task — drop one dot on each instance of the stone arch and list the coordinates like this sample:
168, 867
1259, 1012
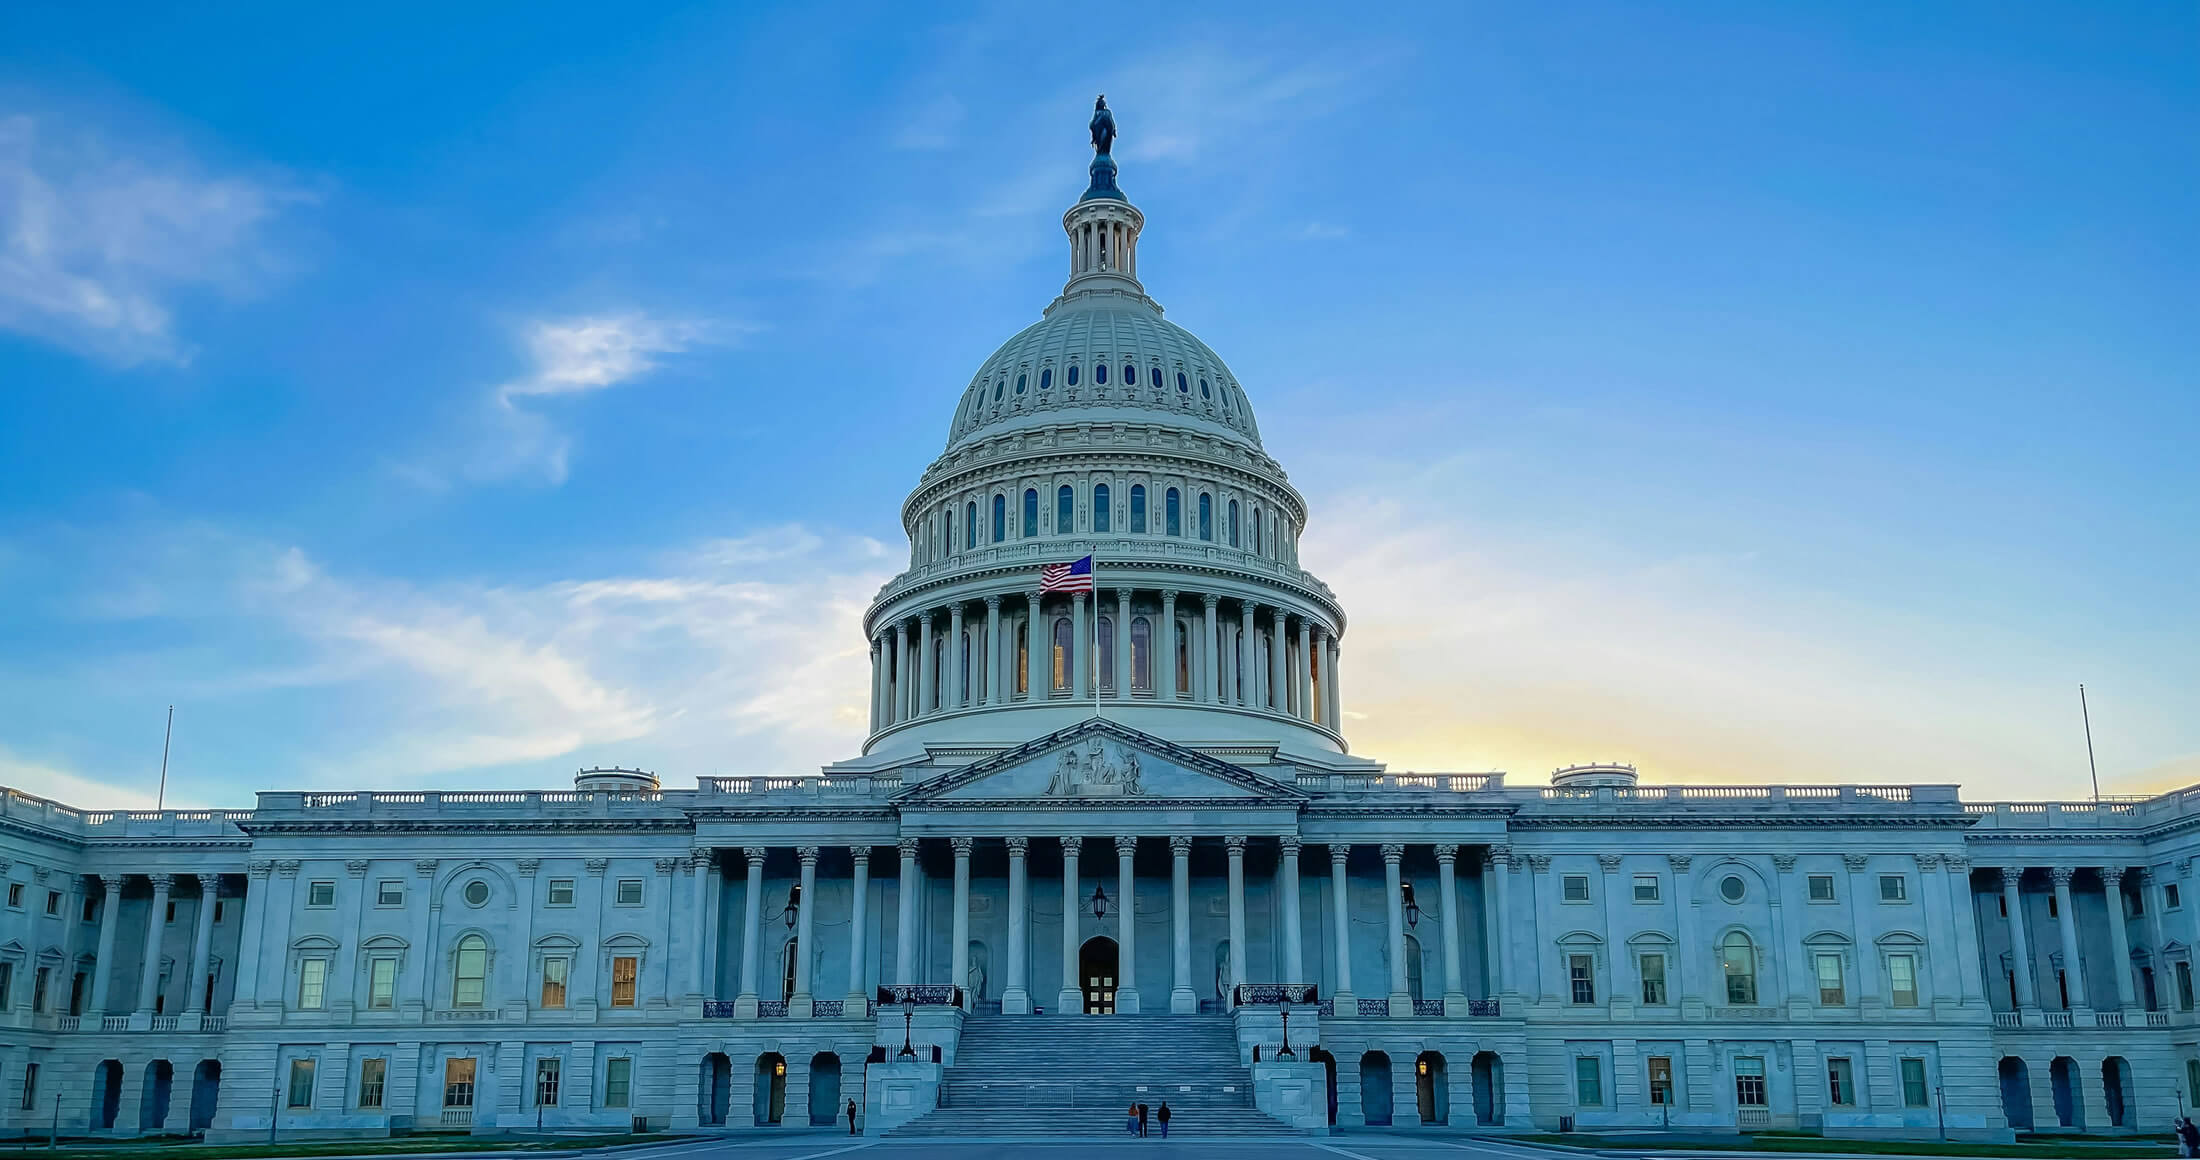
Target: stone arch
1375, 1095
446, 878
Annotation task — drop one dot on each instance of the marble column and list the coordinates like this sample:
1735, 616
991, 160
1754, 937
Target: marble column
2020, 950
1080, 651
1126, 968
1496, 928
1394, 908
1871, 995
1164, 664
927, 696
1245, 657
955, 663
905, 926
202, 944
156, 918
1447, 877
1016, 999
753, 912
2073, 964
1122, 664
1333, 687
1071, 1000
1319, 680
1235, 847
699, 869
1294, 947
1182, 999
1279, 692
1340, 896
994, 693
859, 930
2119, 939
876, 683
1039, 639
1303, 676
1964, 913
103, 972
805, 923
1209, 642
959, 954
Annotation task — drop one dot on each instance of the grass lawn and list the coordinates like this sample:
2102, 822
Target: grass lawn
401, 1146
2092, 1148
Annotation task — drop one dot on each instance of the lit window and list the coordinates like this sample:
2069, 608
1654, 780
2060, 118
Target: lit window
630, 892
458, 1083
382, 984
1653, 980
618, 1071
1063, 657
1841, 1082
1574, 888
470, 972
546, 1082
1138, 516
1738, 958
1588, 1081
1581, 973
561, 892
1102, 517
624, 970
1914, 1094
373, 1075
1832, 992
312, 984
1661, 1080
554, 970
1646, 888
320, 895
301, 1083
389, 892
1821, 887
1894, 888
1749, 1082
1902, 980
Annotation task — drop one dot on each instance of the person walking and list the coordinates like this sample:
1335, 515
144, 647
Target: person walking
1141, 1121
851, 1117
1163, 1116
2188, 1136
1130, 1119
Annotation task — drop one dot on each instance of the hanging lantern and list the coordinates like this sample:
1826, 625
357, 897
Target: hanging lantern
1099, 902
1413, 909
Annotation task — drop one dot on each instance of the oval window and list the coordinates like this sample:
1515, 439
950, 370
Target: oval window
1157, 378
1073, 374
1130, 375
477, 892
1204, 393
1019, 384
997, 389
1046, 378
1731, 888
1100, 373
1180, 387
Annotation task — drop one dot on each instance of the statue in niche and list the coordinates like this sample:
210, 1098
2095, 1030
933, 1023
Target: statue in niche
1222, 972
974, 982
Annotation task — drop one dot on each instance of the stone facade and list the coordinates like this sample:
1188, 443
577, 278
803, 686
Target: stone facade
1123, 800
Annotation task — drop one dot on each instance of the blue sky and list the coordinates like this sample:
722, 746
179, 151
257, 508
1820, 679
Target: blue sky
458, 396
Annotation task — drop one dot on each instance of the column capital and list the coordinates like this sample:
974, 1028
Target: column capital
924, 618
1169, 595
1124, 594
1784, 863
2012, 877
909, 847
1857, 863
1610, 862
961, 844
209, 885
1956, 863
1289, 844
162, 882
527, 867
2112, 876
1928, 861
878, 645
665, 866
424, 867
1339, 853
1126, 845
1072, 845
1321, 631
1235, 844
257, 870
699, 858
1499, 856
2061, 875
753, 854
808, 855
353, 868
1210, 601
2146, 876
1679, 862
1541, 863
860, 855
288, 867
1393, 851
1018, 846
1446, 854
1180, 845
993, 603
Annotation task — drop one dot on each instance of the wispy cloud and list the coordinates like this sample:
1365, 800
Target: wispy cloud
98, 240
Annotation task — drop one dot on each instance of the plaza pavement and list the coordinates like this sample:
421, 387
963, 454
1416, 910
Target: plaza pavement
820, 1147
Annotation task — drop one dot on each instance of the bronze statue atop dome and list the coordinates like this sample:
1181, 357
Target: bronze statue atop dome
1103, 125
1103, 166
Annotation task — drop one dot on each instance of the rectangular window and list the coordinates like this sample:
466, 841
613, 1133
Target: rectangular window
2054, 908
91, 909
218, 910
2169, 896
1894, 888
1646, 888
1841, 1083
1749, 1081
623, 971
312, 983
546, 1082
372, 1073
1914, 1094
40, 976
1581, 970
1588, 1081
30, 1087
53, 902
2138, 903
1574, 887
7, 984
618, 1080
1821, 887
15, 896
561, 892
553, 982
382, 984
1653, 980
1661, 1081
301, 1083
1831, 991
1902, 980
2184, 989
170, 916
2062, 987
389, 892
630, 892
458, 1083
2192, 1075
320, 895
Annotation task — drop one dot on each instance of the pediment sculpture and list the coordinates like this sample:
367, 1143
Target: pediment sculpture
1096, 768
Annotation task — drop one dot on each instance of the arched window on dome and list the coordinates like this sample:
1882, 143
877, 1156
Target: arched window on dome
1073, 374
1065, 653
1138, 509
1183, 658
1173, 513
1738, 958
1023, 657
1256, 529
1157, 378
1000, 518
470, 972
1103, 653
998, 388
962, 663
1046, 378
1206, 517
1130, 375
1100, 373
1233, 523
1065, 511
932, 538
1031, 513
1019, 384
1204, 393
939, 672
970, 524
1141, 655
1102, 517
1180, 387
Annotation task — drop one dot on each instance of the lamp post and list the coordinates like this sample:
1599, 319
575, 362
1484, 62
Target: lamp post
908, 1020
1286, 1052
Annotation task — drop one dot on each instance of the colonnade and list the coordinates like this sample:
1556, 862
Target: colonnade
950, 658
156, 922
2076, 995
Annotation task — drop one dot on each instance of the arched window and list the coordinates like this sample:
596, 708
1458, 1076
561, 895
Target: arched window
1073, 374
1130, 375
1064, 652
949, 539
1000, 518
1180, 387
1141, 655
1100, 373
970, 524
1138, 509
1256, 529
998, 389
1103, 654
470, 972
1157, 378
1206, 517
939, 671
1174, 514
1023, 657
964, 682
1233, 524
1204, 393
1101, 517
1046, 378
1031, 512
1739, 958
1183, 658
1019, 384
1065, 511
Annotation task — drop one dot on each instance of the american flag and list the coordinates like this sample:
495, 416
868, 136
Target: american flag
1075, 577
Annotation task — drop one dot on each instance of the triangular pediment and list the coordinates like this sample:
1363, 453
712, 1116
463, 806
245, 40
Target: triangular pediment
1101, 762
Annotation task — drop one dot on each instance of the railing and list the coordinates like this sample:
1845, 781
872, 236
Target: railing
1482, 1008
1326, 1008
1867, 795
114, 1023
772, 1009
1435, 782
458, 1117
165, 1022
214, 1023
1374, 1008
717, 1008
2008, 1019
1119, 551
2057, 1018
30, 809
1429, 1007
2108, 1019
411, 801
68, 1022
920, 995
1752, 1119
1273, 994
828, 1008
831, 785
2157, 1018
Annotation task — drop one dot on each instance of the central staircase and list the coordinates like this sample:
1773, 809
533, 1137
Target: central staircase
1056, 1075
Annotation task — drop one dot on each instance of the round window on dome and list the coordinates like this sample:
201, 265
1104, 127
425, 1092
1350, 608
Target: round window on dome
1046, 378
1100, 373
476, 893
1073, 374
1732, 888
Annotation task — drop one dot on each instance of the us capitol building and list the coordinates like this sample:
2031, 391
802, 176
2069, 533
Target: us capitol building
1100, 847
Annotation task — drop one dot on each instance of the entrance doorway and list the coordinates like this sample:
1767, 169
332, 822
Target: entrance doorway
771, 1088
1096, 965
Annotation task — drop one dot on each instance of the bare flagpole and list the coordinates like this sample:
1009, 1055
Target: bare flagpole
2087, 716
160, 799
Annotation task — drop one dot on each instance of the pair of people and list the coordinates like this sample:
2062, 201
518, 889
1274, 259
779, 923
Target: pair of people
1135, 1119
2188, 1136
